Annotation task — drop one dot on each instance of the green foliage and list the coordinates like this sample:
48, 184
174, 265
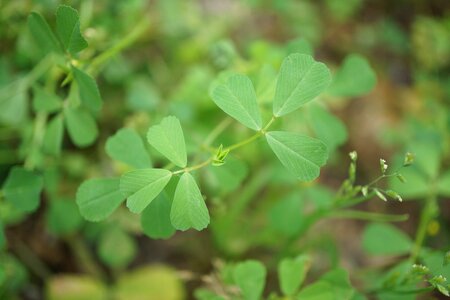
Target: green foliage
384, 239
116, 248
75, 287
98, 198
301, 155
54, 134
140, 187
250, 276
155, 219
68, 29
127, 146
42, 33
89, 93
292, 272
237, 98
22, 188
168, 139
81, 126
63, 217
188, 207
301, 79
354, 78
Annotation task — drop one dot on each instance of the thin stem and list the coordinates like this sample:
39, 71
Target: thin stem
229, 149
368, 216
140, 29
216, 131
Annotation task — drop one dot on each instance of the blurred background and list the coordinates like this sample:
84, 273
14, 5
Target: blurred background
174, 51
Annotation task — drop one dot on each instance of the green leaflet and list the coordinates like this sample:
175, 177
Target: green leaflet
53, 136
237, 98
81, 126
354, 78
250, 276
98, 198
116, 248
42, 33
155, 219
167, 137
68, 29
333, 285
385, 239
301, 79
292, 272
13, 104
87, 87
63, 217
301, 155
188, 207
328, 128
44, 101
22, 188
142, 186
126, 146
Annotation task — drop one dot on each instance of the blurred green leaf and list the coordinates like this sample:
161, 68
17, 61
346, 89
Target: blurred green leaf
75, 287
237, 98
63, 217
98, 198
301, 155
81, 126
116, 248
126, 146
286, 215
22, 188
385, 239
188, 207
250, 276
44, 101
68, 29
53, 137
354, 78
87, 87
155, 219
328, 128
42, 33
301, 79
142, 186
292, 272
168, 139
150, 282
333, 285
13, 104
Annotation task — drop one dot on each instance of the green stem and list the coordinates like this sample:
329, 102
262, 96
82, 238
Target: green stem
129, 39
428, 213
368, 216
36, 143
229, 149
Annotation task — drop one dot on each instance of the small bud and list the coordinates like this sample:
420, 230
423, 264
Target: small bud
383, 166
409, 159
365, 190
380, 194
353, 155
394, 195
420, 270
401, 178
438, 280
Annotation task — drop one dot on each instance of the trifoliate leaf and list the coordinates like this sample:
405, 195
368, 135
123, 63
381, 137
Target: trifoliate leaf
250, 276
68, 29
127, 146
354, 78
42, 33
98, 198
81, 126
385, 239
87, 87
22, 188
301, 79
188, 207
167, 137
301, 155
142, 186
53, 136
292, 272
155, 219
237, 98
